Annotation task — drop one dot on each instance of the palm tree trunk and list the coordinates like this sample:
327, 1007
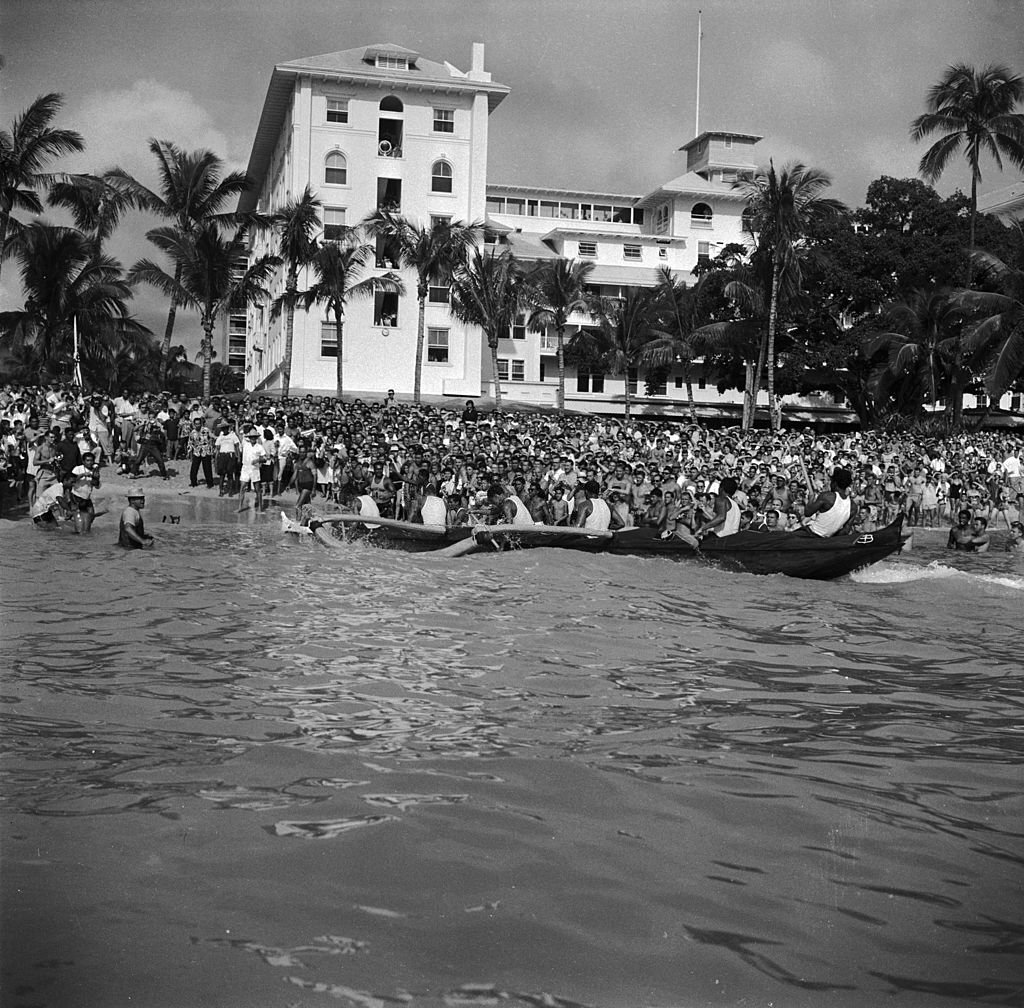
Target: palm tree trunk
3, 233
974, 218
690, 404
773, 314
627, 400
339, 364
289, 332
560, 335
169, 329
207, 353
493, 343
421, 327
747, 421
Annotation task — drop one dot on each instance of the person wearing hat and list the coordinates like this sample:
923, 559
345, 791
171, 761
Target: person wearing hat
131, 533
252, 454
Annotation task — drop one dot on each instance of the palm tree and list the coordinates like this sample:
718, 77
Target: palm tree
975, 111
96, 205
296, 223
998, 335
560, 290
490, 291
24, 154
433, 252
206, 276
339, 267
193, 191
628, 324
783, 207
921, 349
678, 308
65, 282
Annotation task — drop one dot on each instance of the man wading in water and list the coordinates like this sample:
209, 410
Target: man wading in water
132, 531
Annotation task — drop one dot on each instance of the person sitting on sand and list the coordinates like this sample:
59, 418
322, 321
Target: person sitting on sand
132, 531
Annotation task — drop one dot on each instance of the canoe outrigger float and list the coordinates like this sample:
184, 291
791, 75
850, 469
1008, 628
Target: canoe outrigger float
792, 553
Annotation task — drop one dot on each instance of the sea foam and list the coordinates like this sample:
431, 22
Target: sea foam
898, 573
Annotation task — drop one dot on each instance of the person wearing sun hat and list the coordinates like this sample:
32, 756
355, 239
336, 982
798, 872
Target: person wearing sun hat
252, 454
131, 533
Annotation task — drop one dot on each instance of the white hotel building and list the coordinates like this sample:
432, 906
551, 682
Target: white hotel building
383, 125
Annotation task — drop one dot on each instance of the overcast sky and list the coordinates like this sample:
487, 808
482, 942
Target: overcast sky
602, 91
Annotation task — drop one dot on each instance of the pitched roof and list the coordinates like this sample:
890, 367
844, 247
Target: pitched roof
692, 184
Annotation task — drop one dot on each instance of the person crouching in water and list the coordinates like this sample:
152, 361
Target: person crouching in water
832, 511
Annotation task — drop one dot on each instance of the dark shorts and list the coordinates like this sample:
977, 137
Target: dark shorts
84, 505
225, 463
267, 473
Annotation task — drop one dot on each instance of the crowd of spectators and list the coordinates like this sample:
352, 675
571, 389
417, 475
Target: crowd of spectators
650, 471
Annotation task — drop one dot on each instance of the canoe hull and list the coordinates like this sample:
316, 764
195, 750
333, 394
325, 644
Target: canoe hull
791, 553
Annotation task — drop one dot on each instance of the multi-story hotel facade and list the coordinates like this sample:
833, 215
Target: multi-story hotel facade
382, 126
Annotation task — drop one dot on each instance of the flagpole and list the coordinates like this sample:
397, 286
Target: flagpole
696, 118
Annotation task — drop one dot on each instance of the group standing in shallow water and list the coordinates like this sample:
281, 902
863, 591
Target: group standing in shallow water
401, 459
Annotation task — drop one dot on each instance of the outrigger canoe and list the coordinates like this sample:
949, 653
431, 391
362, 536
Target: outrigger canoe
792, 553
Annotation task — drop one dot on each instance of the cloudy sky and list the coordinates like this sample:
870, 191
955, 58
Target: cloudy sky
602, 91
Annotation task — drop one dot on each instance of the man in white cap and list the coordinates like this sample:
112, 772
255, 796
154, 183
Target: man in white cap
131, 533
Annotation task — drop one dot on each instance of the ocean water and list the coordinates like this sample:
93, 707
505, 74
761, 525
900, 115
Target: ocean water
245, 772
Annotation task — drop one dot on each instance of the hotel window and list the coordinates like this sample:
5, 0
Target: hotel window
602, 214
703, 252
679, 381
337, 110
589, 381
441, 177
502, 369
495, 204
385, 309
548, 208
436, 294
569, 211
515, 205
438, 219
728, 143
701, 216
519, 327
511, 370
437, 346
328, 340
661, 217
632, 252
334, 223
518, 370
336, 169
659, 388
588, 249
391, 62
444, 120
622, 215
747, 220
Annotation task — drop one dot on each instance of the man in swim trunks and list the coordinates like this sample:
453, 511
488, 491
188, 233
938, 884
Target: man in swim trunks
132, 532
961, 535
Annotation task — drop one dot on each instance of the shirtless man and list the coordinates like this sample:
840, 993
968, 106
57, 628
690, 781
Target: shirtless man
961, 534
1015, 544
980, 538
592, 510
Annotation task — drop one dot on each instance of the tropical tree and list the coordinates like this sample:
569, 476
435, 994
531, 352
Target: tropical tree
921, 351
25, 151
679, 315
96, 206
489, 291
193, 191
559, 290
339, 268
296, 224
974, 109
627, 326
67, 285
997, 332
206, 276
783, 206
434, 253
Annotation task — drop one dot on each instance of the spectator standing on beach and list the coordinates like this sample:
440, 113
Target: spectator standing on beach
100, 422
150, 434
199, 449
252, 455
172, 431
228, 449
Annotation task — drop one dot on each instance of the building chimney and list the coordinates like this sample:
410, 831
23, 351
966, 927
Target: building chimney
478, 57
